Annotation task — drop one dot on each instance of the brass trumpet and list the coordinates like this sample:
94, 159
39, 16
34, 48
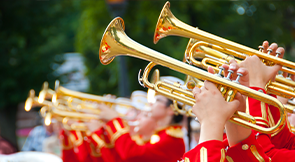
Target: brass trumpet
59, 112
67, 105
212, 55
115, 42
168, 24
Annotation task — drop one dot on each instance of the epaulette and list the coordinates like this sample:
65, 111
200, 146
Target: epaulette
175, 132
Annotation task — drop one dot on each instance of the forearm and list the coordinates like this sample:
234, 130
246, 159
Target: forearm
211, 131
236, 133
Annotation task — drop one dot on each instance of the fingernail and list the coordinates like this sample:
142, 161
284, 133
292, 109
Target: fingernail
232, 66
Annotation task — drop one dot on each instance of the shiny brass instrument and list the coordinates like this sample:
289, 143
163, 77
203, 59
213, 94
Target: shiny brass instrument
59, 112
168, 24
115, 42
73, 107
199, 50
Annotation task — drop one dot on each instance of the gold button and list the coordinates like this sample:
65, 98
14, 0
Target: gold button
245, 147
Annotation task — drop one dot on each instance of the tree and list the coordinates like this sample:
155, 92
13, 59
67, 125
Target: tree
33, 37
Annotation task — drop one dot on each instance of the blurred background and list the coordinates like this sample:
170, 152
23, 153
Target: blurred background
45, 40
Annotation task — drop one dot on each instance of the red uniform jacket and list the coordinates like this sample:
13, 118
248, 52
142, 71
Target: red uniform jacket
280, 147
77, 147
217, 151
166, 145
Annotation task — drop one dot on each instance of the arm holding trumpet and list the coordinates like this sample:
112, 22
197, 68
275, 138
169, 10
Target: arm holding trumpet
213, 113
259, 76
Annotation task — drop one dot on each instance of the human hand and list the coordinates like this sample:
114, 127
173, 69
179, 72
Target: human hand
260, 74
106, 113
212, 111
94, 125
244, 80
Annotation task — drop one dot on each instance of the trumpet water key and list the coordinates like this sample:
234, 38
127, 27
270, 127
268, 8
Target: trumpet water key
115, 42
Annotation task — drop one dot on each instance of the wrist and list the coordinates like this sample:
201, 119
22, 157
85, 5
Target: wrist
259, 85
211, 131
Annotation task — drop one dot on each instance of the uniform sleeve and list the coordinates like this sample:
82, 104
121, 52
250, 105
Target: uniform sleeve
102, 150
164, 148
67, 154
285, 138
256, 109
247, 150
209, 151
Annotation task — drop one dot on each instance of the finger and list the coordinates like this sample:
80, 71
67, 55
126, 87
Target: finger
226, 67
243, 71
265, 45
244, 79
209, 85
196, 91
234, 66
211, 70
232, 61
285, 74
275, 69
280, 51
272, 49
293, 77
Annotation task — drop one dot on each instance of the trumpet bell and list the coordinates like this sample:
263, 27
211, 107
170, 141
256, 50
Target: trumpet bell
168, 24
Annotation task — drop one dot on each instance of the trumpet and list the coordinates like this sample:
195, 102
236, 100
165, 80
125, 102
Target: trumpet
169, 25
67, 105
115, 42
215, 58
60, 112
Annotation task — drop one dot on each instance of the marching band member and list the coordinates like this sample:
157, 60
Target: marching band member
213, 113
166, 144
278, 146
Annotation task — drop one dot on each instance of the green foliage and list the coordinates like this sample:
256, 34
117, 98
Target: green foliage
262, 20
33, 35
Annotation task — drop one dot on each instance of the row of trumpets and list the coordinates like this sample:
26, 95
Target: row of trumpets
63, 105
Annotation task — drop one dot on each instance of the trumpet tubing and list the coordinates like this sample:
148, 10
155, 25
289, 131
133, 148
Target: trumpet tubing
115, 42
168, 25
214, 56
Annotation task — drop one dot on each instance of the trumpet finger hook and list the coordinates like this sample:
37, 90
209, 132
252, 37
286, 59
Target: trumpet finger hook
139, 78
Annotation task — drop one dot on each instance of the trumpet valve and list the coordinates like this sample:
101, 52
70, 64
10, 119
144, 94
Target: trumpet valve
261, 48
220, 71
238, 78
228, 75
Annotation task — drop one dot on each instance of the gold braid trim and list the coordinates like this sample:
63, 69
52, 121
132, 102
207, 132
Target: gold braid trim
247, 105
119, 130
76, 142
175, 132
186, 159
270, 118
95, 152
203, 155
222, 155
256, 153
229, 159
138, 140
263, 110
100, 143
67, 147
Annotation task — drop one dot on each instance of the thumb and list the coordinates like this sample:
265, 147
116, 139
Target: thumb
274, 70
233, 106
